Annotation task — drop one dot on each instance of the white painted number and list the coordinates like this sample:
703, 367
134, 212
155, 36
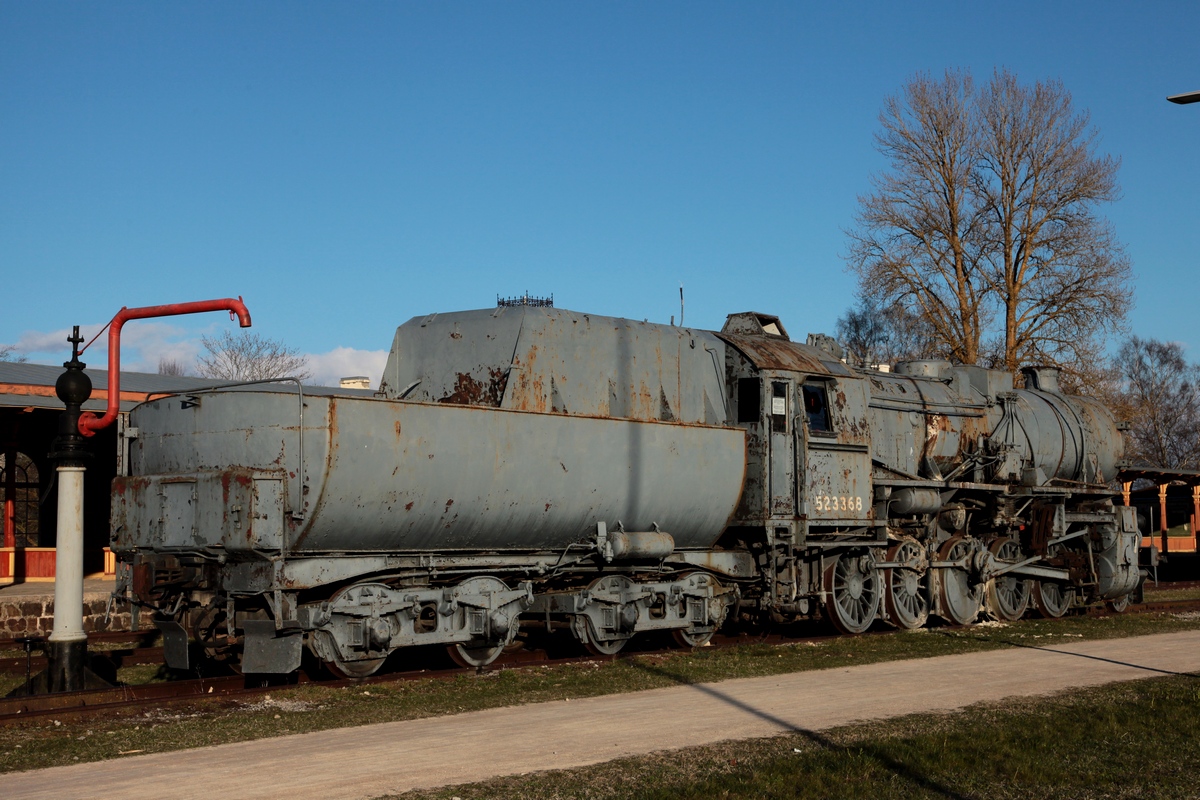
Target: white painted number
841, 502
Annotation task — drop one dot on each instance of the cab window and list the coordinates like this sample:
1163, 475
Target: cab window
816, 408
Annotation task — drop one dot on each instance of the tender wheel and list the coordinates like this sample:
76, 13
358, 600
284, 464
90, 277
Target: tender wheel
325, 646
851, 593
601, 648
905, 601
1120, 604
466, 655
686, 637
483, 650
1007, 595
1052, 600
617, 590
354, 669
699, 633
960, 598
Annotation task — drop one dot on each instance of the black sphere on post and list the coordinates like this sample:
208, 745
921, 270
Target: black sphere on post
74, 388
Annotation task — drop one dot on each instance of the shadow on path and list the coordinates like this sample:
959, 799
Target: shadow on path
876, 753
1047, 649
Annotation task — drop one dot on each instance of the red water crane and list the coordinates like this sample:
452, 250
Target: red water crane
89, 423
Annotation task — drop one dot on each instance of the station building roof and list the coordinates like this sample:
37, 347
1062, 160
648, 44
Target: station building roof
25, 385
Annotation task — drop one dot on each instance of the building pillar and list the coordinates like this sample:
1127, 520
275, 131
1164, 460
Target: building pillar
1195, 517
1162, 514
10, 497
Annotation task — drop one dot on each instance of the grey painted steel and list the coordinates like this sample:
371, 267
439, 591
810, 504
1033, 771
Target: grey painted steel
401, 476
558, 361
268, 651
929, 424
175, 644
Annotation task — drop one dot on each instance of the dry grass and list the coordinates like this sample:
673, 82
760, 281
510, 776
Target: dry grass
41, 742
1131, 740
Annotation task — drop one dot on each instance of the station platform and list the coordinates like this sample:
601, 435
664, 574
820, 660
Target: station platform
27, 609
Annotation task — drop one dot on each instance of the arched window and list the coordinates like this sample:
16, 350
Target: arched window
19, 488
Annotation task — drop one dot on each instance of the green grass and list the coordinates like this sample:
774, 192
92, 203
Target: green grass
1154, 594
1128, 740
41, 742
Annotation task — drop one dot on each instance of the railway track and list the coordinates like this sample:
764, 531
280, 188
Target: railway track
123, 699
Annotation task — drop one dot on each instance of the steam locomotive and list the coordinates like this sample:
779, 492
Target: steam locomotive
532, 465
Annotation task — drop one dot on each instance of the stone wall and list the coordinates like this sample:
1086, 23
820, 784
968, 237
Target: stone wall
33, 615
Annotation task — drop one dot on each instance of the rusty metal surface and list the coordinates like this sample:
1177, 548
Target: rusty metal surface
400, 476
551, 360
929, 426
776, 353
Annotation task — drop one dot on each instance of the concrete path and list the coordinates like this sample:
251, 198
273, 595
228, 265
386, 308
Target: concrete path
393, 757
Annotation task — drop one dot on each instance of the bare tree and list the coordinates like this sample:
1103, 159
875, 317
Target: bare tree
247, 356
9, 352
171, 366
1054, 266
874, 335
918, 235
1161, 402
987, 215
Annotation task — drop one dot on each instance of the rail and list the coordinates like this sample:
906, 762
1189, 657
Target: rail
95, 702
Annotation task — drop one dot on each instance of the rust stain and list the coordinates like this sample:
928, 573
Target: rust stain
968, 439
768, 352
455, 335
935, 426
397, 429
448, 504
469, 391
548, 506
409, 505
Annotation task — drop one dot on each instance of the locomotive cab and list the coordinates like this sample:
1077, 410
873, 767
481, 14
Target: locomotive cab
807, 502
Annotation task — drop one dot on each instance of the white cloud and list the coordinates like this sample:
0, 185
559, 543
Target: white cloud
142, 345
343, 362
145, 342
52, 344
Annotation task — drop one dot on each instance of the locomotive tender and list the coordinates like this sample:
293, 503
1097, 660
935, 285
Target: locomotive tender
611, 477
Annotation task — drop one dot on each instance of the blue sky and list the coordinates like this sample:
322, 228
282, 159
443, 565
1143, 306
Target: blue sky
347, 166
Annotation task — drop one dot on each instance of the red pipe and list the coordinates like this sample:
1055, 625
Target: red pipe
89, 423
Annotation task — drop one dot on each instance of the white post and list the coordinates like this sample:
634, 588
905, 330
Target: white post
68, 559
68, 642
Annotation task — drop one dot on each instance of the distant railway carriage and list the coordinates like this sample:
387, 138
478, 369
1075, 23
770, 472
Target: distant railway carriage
617, 477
